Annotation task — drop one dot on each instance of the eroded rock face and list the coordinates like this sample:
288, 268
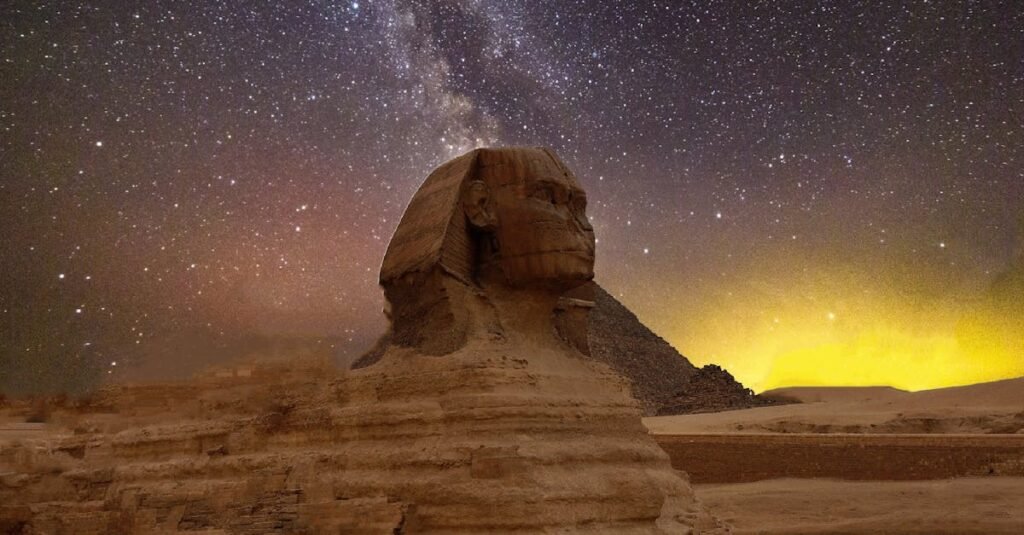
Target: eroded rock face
478, 414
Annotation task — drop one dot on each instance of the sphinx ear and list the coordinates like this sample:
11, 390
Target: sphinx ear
476, 203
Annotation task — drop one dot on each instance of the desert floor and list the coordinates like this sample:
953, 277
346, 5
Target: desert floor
860, 460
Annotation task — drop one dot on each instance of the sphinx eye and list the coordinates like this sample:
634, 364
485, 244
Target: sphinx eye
543, 194
579, 203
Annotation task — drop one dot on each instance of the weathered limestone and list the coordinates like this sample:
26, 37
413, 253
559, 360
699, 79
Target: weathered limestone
480, 413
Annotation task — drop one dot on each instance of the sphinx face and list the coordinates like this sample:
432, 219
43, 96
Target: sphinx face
542, 236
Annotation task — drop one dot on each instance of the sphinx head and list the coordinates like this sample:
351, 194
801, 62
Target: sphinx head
527, 217
513, 218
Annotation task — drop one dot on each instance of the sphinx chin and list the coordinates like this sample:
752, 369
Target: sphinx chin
553, 269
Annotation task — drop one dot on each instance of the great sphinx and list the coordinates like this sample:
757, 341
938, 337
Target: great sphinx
477, 414
483, 281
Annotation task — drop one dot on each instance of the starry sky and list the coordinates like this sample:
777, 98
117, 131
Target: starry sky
803, 192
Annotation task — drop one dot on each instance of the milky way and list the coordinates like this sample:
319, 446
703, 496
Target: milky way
180, 176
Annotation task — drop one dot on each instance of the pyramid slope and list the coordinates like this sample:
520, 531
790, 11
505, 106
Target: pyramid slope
663, 380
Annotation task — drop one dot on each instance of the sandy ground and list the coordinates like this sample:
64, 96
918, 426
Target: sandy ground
996, 407
973, 505
860, 460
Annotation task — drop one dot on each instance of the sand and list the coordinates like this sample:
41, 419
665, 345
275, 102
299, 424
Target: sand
971, 505
860, 460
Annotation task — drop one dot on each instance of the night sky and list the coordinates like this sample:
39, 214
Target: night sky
802, 193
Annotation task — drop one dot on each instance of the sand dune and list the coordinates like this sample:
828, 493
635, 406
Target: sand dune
1005, 393
996, 407
816, 394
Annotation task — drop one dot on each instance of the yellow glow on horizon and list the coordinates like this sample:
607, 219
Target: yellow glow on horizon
837, 328
809, 354
885, 356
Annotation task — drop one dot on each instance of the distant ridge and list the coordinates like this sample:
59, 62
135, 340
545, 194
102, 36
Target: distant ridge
815, 394
1005, 392
995, 407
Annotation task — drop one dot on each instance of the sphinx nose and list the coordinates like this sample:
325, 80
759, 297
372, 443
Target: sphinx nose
577, 221
584, 235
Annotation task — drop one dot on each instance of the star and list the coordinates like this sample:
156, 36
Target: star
278, 145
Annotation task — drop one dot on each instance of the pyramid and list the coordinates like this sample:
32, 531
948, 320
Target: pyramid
662, 379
